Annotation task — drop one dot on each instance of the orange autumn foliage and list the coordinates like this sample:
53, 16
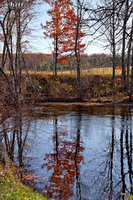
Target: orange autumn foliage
118, 68
65, 164
62, 29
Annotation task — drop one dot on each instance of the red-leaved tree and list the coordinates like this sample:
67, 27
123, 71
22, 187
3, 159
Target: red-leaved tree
62, 29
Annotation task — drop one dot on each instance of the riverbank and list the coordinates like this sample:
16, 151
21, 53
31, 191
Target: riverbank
11, 187
96, 89
88, 104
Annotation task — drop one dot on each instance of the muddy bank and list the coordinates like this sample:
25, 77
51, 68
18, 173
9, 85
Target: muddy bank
89, 103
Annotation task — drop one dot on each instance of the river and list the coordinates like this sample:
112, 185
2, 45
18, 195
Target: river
72, 152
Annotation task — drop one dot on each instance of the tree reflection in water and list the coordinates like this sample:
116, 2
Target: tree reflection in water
126, 151
76, 168
13, 136
65, 164
115, 178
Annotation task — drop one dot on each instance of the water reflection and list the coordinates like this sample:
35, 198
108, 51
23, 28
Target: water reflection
13, 136
65, 164
76, 154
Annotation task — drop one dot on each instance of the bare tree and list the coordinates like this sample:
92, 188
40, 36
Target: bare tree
131, 41
14, 20
78, 21
129, 55
114, 17
126, 10
79, 48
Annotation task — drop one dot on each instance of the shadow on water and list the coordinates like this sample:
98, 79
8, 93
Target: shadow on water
71, 153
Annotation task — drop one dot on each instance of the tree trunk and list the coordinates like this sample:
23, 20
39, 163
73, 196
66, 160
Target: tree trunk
10, 61
130, 94
114, 53
4, 56
128, 56
56, 56
18, 62
79, 79
123, 44
123, 58
77, 52
6, 79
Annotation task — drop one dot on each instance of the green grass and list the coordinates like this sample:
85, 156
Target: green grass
12, 189
130, 198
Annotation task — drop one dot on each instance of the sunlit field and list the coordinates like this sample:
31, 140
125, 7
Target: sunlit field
104, 71
92, 71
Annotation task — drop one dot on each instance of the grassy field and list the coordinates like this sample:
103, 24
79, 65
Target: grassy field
91, 71
104, 71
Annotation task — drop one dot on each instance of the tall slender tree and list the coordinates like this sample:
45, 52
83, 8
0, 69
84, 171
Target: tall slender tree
129, 55
79, 47
59, 29
14, 19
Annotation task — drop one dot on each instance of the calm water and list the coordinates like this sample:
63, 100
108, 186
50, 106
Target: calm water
73, 152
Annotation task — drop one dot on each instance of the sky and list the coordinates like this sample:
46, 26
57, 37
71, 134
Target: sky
40, 45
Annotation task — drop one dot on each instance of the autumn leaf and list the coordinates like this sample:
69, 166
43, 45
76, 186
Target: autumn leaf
123, 194
55, 188
27, 145
45, 179
36, 181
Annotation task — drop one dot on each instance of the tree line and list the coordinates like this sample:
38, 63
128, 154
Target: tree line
107, 21
44, 62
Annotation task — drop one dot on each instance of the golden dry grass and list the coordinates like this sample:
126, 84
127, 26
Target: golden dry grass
92, 71
45, 73
104, 71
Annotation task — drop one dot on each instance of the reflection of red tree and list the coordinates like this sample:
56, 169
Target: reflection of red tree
64, 163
